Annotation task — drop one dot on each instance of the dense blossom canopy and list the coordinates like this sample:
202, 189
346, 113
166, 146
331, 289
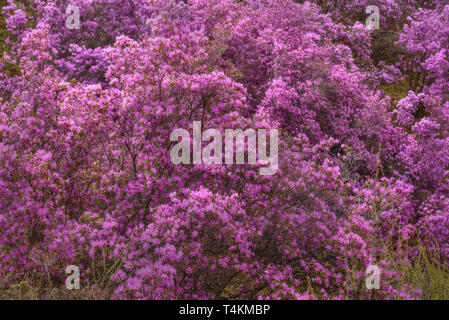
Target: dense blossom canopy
85, 171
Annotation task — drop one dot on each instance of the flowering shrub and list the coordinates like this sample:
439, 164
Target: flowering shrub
85, 171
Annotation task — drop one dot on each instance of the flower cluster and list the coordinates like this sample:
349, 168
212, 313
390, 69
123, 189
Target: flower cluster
86, 177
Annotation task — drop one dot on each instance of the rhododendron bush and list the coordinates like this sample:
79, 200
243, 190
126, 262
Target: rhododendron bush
86, 177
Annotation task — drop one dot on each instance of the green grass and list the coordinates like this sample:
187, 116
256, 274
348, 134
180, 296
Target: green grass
3, 32
428, 276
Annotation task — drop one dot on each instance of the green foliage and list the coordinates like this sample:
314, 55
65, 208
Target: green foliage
428, 275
